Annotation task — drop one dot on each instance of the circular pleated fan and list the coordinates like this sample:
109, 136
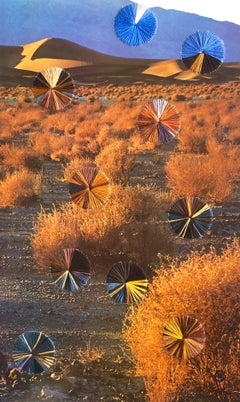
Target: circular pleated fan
53, 89
89, 187
33, 352
203, 52
183, 337
135, 24
126, 282
71, 270
190, 217
159, 121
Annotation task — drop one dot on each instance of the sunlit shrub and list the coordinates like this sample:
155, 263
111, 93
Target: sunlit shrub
123, 225
205, 286
208, 176
19, 187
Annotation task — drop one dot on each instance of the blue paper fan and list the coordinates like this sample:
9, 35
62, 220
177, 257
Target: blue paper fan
203, 52
135, 25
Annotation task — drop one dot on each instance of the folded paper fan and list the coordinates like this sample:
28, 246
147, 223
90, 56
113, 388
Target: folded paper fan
203, 52
34, 352
53, 89
70, 270
183, 337
89, 187
126, 282
159, 121
190, 217
135, 24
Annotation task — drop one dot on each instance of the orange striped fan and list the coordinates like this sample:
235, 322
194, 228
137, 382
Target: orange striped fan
53, 88
89, 187
183, 337
159, 121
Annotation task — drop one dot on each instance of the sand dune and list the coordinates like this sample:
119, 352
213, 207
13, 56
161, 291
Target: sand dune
176, 70
170, 68
38, 64
88, 65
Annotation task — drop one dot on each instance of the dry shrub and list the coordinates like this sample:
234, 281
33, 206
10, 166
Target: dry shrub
205, 286
116, 161
208, 176
5, 128
19, 157
97, 231
203, 120
19, 187
90, 354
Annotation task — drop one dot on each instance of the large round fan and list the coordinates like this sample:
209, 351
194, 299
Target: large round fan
135, 24
183, 337
34, 352
190, 217
126, 282
203, 52
89, 187
53, 88
71, 270
159, 121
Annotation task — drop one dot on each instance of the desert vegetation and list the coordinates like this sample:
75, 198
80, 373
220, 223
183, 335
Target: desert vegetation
202, 161
213, 374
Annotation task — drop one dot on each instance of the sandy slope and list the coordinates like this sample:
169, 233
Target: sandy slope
30, 64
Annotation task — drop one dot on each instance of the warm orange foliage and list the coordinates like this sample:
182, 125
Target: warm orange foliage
125, 224
19, 187
201, 121
19, 157
209, 176
205, 286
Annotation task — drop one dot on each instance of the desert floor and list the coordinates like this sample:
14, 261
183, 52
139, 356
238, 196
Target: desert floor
89, 322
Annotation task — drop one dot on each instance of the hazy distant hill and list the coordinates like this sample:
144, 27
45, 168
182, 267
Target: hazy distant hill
90, 23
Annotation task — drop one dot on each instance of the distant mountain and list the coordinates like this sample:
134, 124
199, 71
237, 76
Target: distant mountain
90, 24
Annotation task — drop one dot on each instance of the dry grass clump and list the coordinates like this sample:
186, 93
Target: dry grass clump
201, 121
19, 187
17, 157
116, 161
90, 354
205, 286
210, 177
122, 225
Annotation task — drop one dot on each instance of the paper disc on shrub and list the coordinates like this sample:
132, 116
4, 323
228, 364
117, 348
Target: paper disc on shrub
71, 270
203, 52
159, 121
89, 188
190, 217
53, 89
126, 282
183, 337
34, 352
135, 25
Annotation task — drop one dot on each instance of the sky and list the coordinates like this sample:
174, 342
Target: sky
217, 9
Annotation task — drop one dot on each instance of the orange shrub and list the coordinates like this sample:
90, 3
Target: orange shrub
213, 299
208, 176
19, 187
116, 226
19, 157
116, 161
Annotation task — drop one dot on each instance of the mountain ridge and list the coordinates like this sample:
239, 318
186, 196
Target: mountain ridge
90, 23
